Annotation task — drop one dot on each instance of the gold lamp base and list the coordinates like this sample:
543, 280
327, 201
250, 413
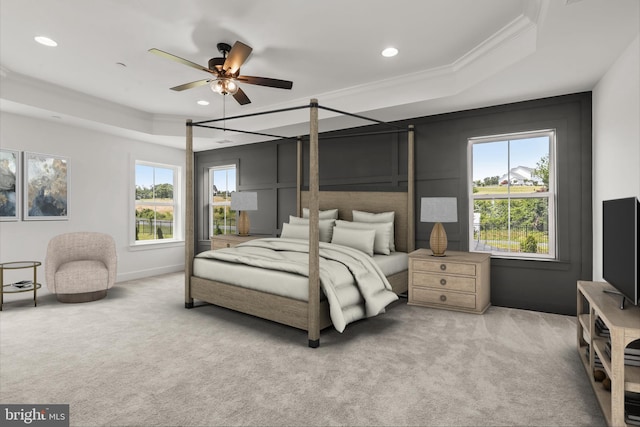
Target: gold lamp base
438, 240
243, 224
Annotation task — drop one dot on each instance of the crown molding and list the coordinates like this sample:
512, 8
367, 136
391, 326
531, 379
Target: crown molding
508, 45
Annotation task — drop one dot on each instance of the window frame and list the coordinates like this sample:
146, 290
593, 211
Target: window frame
550, 195
178, 232
210, 170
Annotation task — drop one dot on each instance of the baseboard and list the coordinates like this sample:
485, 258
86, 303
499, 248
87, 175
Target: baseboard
141, 274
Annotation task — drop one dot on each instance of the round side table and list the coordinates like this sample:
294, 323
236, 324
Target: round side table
18, 287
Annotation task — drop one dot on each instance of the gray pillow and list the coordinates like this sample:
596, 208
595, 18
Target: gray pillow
382, 233
326, 226
295, 231
360, 216
354, 238
326, 214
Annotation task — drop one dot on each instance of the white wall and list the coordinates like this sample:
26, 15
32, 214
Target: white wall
616, 139
100, 186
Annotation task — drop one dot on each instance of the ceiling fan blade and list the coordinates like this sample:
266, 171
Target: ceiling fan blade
264, 81
236, 57
190, 85
181, 60
241, 97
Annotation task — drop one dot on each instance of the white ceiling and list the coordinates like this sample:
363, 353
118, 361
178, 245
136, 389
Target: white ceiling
454, 55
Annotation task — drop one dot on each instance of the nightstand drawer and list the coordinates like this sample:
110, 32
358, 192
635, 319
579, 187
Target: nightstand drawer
220, 244
222, 241
445, 267
453, 299
455, 283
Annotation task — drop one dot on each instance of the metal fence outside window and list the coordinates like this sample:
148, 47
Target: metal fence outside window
517, 239
163, 228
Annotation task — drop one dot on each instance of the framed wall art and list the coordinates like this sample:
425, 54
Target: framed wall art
9, 185
46, 187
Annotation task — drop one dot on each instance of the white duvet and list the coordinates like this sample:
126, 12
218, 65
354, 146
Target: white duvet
365, 293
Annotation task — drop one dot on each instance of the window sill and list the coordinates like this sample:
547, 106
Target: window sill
155, 245
528, 263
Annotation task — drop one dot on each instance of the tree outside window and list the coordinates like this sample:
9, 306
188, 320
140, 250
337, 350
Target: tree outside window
156, 202
512, 200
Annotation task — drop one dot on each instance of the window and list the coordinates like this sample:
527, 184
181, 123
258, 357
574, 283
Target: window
222, 182
157, 202
512, 200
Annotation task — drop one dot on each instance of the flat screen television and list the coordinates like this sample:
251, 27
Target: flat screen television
621, 246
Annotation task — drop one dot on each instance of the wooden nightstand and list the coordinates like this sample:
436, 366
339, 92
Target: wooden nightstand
220, 241
458, 281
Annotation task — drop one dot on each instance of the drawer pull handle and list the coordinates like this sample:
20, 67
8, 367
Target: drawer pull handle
443, 267
443, 282
443, 298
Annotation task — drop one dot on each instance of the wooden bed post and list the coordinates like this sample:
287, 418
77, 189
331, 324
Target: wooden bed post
411, 223
314, 245
189, 220
299, 177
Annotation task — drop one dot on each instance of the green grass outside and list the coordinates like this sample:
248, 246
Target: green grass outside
501, 239
149, 236
502, 189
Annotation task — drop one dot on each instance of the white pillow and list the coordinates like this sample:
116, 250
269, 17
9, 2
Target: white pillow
326, 226
327, 214
295, 231
360, 216
354, 238
382, 233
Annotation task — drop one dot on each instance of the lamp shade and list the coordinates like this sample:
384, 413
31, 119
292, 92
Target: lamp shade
438, 209
244, 201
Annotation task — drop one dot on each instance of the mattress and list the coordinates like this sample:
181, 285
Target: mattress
278, 282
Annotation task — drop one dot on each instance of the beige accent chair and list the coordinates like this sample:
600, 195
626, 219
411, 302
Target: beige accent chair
80, 266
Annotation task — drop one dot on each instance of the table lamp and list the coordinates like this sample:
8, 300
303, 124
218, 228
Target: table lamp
243, 202
438, 210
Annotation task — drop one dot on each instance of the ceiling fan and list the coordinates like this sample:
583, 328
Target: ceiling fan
226, 72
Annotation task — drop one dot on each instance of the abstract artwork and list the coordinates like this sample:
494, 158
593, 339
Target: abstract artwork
46, 187
9, 185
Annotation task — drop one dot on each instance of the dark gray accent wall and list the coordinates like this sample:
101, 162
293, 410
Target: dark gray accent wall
378, 162
441, 170
269, 169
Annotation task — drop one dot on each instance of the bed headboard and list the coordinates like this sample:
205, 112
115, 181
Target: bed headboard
368, 201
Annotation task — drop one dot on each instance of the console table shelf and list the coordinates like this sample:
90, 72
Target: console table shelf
624, 328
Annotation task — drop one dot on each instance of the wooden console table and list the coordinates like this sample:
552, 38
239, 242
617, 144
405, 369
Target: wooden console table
624, 327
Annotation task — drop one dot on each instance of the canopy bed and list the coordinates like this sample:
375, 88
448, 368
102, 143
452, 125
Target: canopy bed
313, 311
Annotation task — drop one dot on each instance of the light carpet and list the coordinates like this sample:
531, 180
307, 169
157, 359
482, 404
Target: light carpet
139, 358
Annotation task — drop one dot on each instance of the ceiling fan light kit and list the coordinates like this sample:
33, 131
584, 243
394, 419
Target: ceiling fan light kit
224, 86
226, 72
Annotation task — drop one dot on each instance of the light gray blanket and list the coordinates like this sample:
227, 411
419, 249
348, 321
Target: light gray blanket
367, 282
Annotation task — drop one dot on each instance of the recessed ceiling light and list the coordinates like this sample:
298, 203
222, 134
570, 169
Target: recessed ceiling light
203, 102
45, 41
389, 52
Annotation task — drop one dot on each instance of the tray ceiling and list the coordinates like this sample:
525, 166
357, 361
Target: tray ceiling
453, 54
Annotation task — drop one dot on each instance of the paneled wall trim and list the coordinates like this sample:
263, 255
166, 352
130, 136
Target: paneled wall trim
378, 162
